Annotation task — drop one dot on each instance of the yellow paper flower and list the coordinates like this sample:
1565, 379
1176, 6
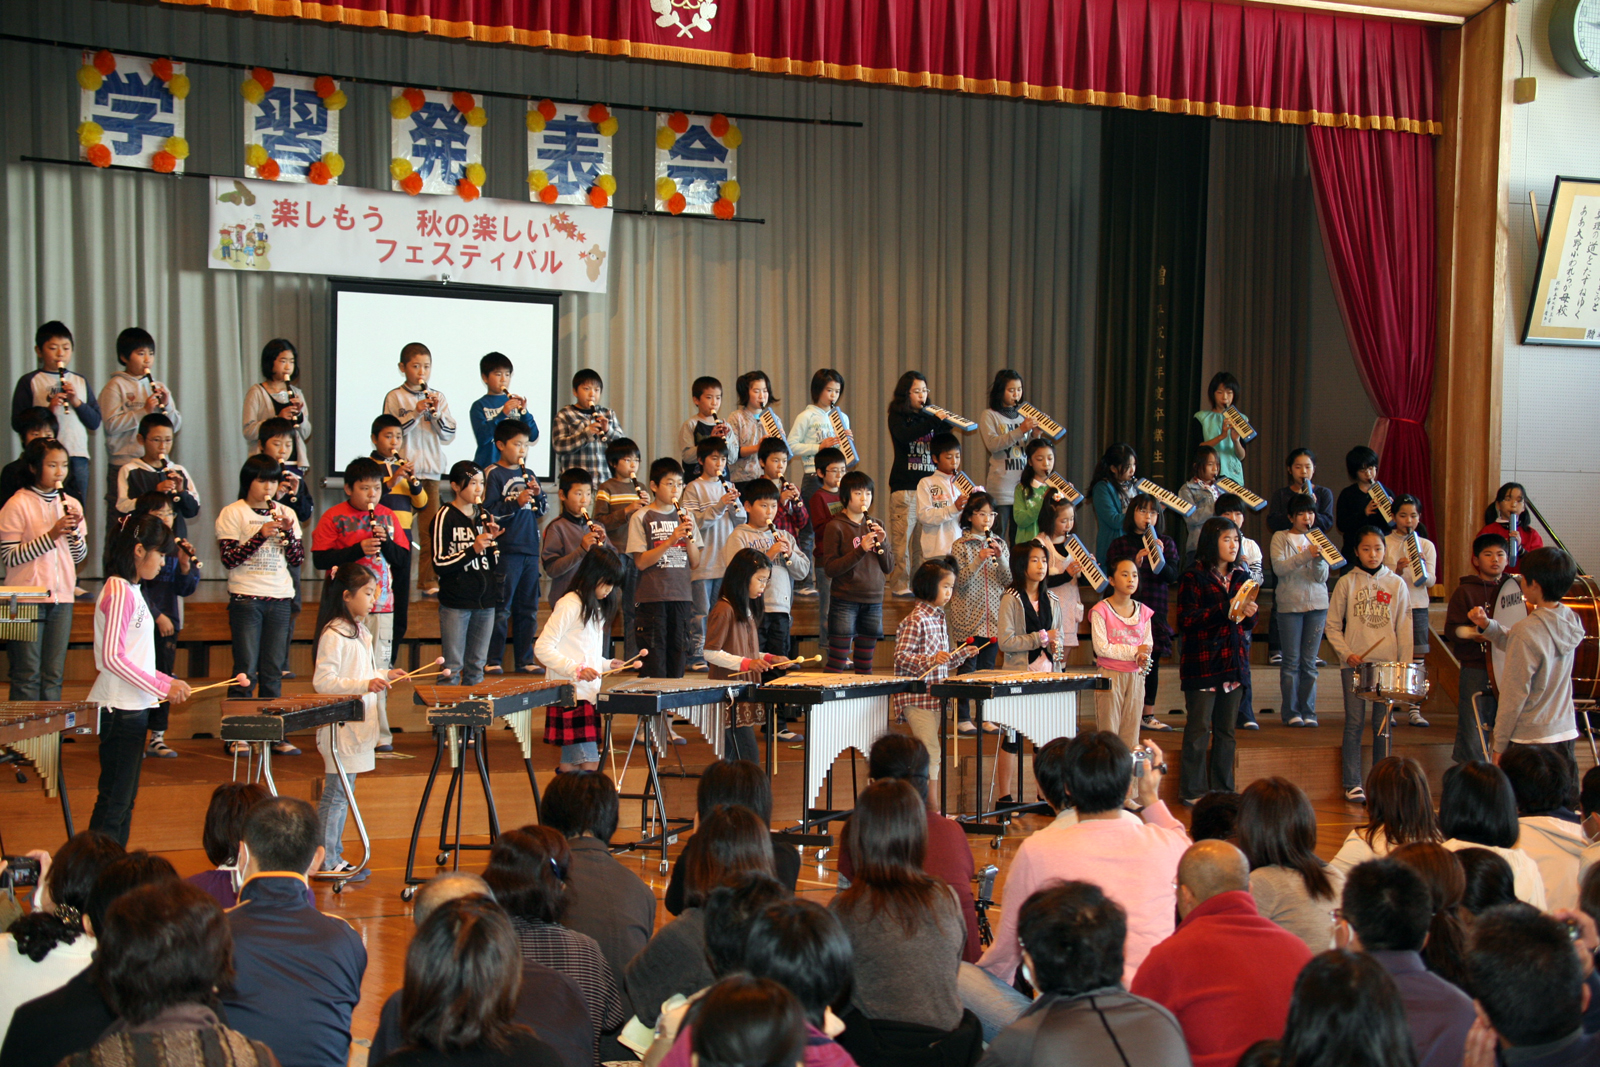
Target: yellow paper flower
733, 138
665, 137
665, 187
608, 183
90, 133
475, 174
399, 168
89, 78
335, 163
608, 128
537, 179
476, 117
535, 122
336, 101
178, 147
179, 87
255, 155
730, 191
252, 91
400, 107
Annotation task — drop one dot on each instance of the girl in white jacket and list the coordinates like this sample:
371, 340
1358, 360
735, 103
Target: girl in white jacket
1369, 621
345, 665
572, 648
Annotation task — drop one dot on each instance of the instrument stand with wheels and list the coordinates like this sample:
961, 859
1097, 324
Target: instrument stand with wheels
652, 801
457, 739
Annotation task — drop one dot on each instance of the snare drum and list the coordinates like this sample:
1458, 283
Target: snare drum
1392, 683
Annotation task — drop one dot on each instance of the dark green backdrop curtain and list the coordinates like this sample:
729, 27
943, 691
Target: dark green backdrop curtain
1152, 285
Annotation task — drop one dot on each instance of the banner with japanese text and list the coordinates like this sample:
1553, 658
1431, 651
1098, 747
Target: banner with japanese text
436, 142
291, 125
697, 164
569, 153
131, 112
366, 233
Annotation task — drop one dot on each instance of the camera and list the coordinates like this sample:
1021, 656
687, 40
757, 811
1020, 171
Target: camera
20, 871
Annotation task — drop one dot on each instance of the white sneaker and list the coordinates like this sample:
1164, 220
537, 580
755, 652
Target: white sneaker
1416, 719
1356, 795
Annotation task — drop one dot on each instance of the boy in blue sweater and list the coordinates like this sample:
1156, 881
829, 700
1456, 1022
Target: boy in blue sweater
514, 498
490, 412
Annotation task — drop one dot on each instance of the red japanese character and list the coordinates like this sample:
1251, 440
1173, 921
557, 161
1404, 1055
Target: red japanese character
343, 219
456, 226
427, 223
468, 254
484, 228
373, 213
551, 263
416, 253
313, 225
392, 246
506, 232
444, 256
286, 213
496, 260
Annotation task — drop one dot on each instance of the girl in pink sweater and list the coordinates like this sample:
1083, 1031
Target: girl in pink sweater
42, 541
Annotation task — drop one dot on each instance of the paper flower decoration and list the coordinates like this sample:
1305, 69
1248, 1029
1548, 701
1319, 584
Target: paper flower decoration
547, 108
255, 156
318, 173
722, 209
268, 170
100, 155
730, 191
161, 68
665, 137
537, 180
666, 188
463, 101
252, 90
608, 183
608, 126
400, 107
476, 117
676, 203
90, 133
263, 77
598, 197
163, 162
719, 125
335, 163
548, 194
178, 147
335, 101
678, 122
325, 86
105, 62
400, 168
475, 174
412, 183
179, 87
598, 113
467, 190
415, 98
89, 78
733, 138
535, 122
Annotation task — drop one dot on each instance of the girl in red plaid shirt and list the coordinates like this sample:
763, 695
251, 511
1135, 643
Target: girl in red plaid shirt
922, 650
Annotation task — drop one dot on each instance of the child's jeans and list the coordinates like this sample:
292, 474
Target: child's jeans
582, 752
332, 810
1301, 635
663, 627
704, 591
519, 604
854, 631
464, 637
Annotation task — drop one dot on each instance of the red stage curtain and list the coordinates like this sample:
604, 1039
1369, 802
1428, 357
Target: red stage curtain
1190, 57
1375, 199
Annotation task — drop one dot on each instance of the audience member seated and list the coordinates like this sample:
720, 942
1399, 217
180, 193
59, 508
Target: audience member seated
744, 783
1227, 971
1215, 816
46, 947
298, 971
906, 931
1477, 807
731, 839
1551, 832
163, 954
799, 945
1385, 912
230, 804
749, 1021
949, 856
1399, 811
605, 900
1345, 1011
1528, 983
1075, 936
549, 1002
1486, 879
1133, 859
459, 1004
526, 871
1589, 893
47, 1029
1291, 886
1445, 954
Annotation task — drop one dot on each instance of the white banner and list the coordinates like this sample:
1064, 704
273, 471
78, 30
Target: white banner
434, 138
365, 233
697, 164
132, 111
569, 151
291, 124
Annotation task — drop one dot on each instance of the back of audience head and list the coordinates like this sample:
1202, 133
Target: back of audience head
1399, 803
1477, 805
444, 888
1093, 776
1073, 934
1209, 869
888, 838
63, 896
1488, 879
1387, 906
748, 1022
1525, 976
1215, 817
120, 877
1346, 1012
583, 803
1440, 870
165, 944
1278, 828
734, 781
730, 840
800, 945
900, 756
1540, 779
281, 834
730, 909
526, 872
1589, 893
231, 804
463, 973
1589, 795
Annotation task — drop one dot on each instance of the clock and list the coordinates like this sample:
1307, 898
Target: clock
1575, 36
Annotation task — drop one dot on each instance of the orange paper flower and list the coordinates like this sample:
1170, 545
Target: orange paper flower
412, 183
548, 194
677, 203
105, 62
319, 174
547, 108
598, 197
719, 125
163, 162
162, 68
99, 155
722, 209
264, 76
467, 191
678, 122
415, 98
463, 101
598, 113
269, 170
325, 86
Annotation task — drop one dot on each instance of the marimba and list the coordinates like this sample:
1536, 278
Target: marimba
1040, 706
30, 731
266, 720
702, 701
461, 715
842, 711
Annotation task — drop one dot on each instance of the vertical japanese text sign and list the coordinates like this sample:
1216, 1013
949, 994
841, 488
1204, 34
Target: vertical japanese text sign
131, 111
569, 153
697, 165
436, 142
291, 127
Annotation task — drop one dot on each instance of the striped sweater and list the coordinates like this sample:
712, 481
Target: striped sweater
31, 556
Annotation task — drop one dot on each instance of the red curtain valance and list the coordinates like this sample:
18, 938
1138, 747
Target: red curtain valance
1190, 57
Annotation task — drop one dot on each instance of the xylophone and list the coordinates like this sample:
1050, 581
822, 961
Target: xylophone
1040, 706
842, 711
265, 720
30, 731
460, 715
704, 702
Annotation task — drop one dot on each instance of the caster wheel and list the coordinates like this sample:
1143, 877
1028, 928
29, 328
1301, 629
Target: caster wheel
408, 892
822, 854
994, 842
441, 859
338, 887
663, 867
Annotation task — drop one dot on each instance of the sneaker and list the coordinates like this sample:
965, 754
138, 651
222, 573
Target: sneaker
902, 592
390, 747
1311, 720
787, 734
236, 748
805, 592
1150, 722
1356, 795
157, 749
1007, 801
492, 668
700, 668
1189, 802
429, 591
966, 728
284, 748
346, 871
1321, 662
1294, 720
287, 673
1416, 719
1275, 659
1251, 725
